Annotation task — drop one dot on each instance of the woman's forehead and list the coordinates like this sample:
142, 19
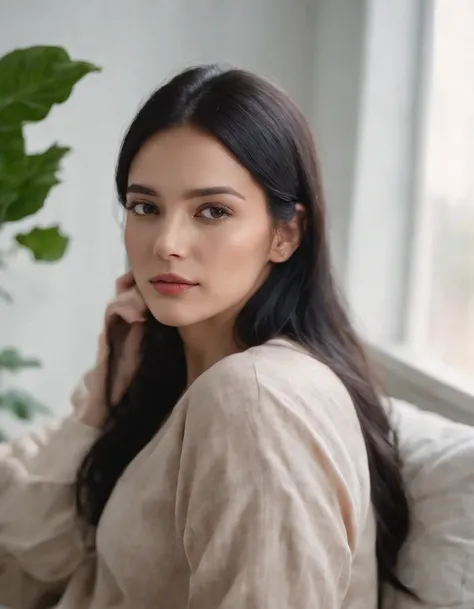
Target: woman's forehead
188, 158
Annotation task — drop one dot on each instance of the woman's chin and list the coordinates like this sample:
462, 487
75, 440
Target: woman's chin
174, 318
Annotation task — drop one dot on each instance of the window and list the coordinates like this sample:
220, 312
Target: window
441, 331
409, 236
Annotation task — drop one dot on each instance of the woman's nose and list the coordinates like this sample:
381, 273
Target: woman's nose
172, 239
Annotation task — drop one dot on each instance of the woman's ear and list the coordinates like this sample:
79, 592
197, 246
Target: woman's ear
288, 236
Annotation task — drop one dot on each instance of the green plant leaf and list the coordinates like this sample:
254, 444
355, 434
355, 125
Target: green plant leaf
21, 404
12, 361
12, 160
46, 244
12, 143
28, 188
33, 79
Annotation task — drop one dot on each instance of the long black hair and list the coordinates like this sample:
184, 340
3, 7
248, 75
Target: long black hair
269, 136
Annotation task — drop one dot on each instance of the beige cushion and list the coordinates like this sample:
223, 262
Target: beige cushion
438, 558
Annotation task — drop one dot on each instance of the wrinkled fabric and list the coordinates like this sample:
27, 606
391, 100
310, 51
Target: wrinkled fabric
254, 494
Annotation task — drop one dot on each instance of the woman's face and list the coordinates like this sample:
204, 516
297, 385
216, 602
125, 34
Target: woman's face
198, 233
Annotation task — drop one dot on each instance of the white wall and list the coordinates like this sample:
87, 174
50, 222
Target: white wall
365, 116
58, 308
338, 72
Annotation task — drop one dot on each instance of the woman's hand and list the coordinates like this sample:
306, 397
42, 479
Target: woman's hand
128, 310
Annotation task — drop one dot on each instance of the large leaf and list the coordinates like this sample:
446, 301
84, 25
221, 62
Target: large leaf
33, 79
12, 161
46, 244
21, 404
12, 144
12, 361
28, 188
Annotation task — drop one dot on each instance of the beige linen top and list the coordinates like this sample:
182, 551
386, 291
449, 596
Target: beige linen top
255, 494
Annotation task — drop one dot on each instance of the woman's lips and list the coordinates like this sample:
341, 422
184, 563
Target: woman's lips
171, 288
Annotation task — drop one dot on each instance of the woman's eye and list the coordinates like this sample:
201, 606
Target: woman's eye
214, 212
142, 208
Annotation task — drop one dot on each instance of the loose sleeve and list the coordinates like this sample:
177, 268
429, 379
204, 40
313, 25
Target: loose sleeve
40, 540
270, 498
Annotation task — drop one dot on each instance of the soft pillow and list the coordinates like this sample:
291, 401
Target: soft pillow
437, 561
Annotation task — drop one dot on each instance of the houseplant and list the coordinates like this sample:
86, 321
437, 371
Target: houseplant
32, 81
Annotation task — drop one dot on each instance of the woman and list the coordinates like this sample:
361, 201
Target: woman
230, 449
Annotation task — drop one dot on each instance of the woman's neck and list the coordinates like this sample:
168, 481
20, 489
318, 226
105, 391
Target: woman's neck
205, 345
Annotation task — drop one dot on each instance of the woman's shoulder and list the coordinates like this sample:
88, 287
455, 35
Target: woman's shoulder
277, 399
278, 359
278, 375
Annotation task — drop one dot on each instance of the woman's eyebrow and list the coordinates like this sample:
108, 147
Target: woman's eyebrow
211, 191
193, 193
140, 189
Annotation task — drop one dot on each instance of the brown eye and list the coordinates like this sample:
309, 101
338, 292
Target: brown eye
214, 212
142, 208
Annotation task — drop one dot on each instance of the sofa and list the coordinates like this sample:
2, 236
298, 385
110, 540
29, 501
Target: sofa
437, 561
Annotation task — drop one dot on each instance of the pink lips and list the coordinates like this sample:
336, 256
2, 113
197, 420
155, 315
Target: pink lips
171, 285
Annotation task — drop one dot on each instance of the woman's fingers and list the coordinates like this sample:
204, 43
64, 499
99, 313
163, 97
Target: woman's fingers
128, 310
124, 283
129, 305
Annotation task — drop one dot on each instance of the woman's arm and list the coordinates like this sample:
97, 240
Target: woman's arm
272, 494
41, 539
18, 590
41, 542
